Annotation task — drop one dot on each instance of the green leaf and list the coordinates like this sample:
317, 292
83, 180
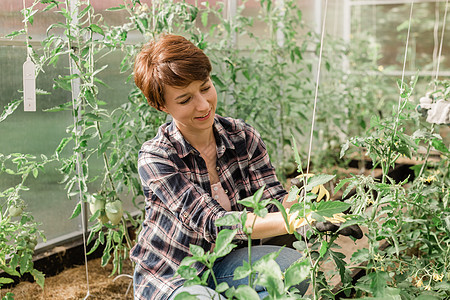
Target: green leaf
378, 282
218, 82
97, 29
300, 245
25, 263
293, 194
93, 117
205, 18
439, 145
341, 184
196, 250
222, 287
269, 275
344, 149
242, 271
298, 160
76, 211
39, 277
106, 257
9, 270
4, 280
185, 296
340, 264
323, 248
96, 244
120, 7
442, 286
49, 7
84, 11
318, 180
187, 272
426, 296
257, 196
90, 98
15, 33
296, 273
329, 208
62, 107
244, 292
223, 242
10, 108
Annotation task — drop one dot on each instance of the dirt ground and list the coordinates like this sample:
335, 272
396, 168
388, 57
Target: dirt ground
71, 284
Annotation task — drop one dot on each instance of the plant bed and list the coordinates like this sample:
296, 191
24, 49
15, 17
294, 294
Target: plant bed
71, 284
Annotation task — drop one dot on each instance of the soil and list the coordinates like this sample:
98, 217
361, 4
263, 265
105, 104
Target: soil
71, 284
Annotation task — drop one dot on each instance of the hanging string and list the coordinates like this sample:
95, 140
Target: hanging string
25, 27
75, 6
317, 85
72, 6
442, 40
427, 155
403, 71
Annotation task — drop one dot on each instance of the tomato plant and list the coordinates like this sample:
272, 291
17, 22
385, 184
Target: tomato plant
19, 232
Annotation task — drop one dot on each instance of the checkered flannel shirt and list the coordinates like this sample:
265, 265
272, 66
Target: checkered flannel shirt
179, 208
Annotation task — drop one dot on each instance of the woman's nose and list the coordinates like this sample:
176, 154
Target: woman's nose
202, 103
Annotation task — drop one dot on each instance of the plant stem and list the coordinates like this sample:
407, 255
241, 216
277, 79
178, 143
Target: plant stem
249, 247
422, 169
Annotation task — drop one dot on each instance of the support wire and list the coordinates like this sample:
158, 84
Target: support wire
317, 85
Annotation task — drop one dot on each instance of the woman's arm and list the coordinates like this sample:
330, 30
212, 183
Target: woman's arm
271, 225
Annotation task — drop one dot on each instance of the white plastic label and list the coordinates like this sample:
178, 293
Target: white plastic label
29, 86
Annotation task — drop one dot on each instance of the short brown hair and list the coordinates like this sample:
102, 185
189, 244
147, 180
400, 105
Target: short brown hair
173, 61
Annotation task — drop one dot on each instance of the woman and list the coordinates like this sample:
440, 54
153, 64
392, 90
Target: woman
194, 171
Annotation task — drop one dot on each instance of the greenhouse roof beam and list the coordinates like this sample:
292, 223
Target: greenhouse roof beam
392, 2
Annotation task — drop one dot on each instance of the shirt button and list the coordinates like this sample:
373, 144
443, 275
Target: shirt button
217, 168
216, 197
185, 214
226, 191
216, 188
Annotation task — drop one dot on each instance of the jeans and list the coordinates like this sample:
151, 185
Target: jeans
224, 271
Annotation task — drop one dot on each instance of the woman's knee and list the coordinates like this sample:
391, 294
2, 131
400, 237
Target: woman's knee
200, 291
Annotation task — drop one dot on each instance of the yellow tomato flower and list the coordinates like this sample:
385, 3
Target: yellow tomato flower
438, 277
419, 283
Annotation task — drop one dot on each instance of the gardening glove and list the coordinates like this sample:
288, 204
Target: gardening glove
319, 190
333, 224
439, 112
436, 111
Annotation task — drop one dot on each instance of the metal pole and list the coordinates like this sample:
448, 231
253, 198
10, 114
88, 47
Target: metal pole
317, 16
231, 14
346, 30
75, 83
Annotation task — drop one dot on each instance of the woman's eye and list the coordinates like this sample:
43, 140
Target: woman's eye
206, 88
185, 101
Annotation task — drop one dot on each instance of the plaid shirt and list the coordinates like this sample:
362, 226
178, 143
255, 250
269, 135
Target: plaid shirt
179, 207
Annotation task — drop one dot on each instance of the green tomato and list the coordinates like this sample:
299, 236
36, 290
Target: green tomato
98, 204
114, 211
15, 211
31, 244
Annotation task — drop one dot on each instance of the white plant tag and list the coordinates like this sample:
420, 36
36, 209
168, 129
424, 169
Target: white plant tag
29, 86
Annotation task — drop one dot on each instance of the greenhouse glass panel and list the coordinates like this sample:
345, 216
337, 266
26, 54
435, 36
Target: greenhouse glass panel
41, 132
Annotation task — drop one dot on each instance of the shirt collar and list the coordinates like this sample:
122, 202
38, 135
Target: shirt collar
184, 148
222, 139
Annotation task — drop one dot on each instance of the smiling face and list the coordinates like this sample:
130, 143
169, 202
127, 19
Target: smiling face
192, 107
